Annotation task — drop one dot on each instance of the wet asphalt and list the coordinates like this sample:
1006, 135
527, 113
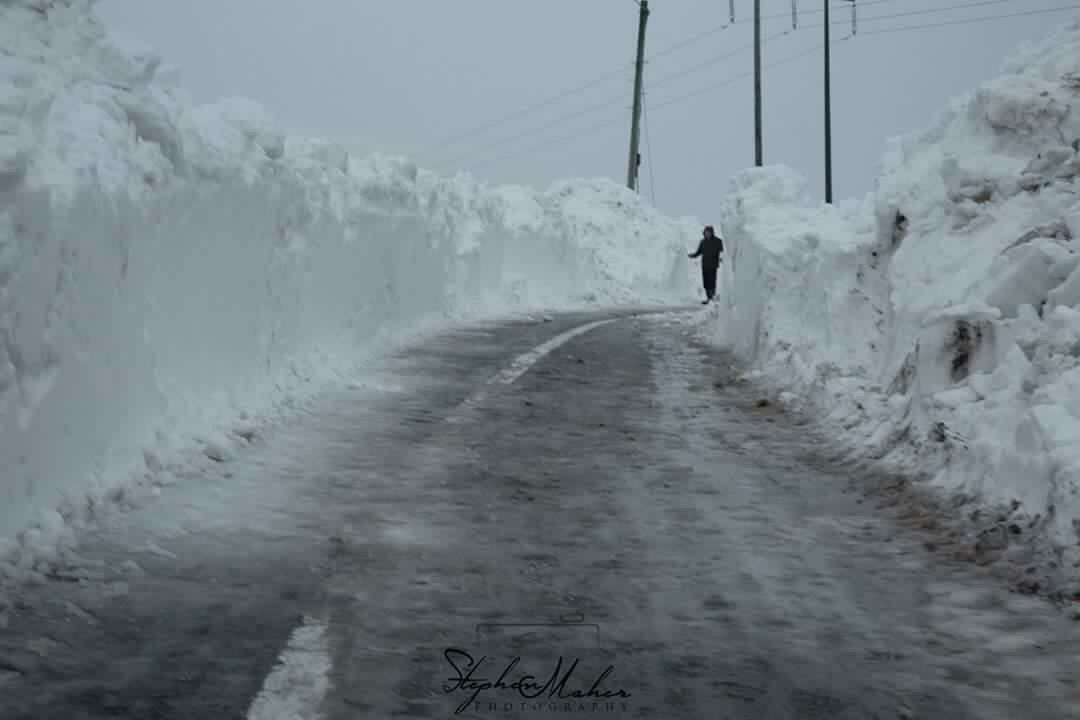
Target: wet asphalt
624, 525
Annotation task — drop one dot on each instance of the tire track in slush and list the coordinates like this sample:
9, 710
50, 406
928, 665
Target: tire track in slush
634, 481
834, 593
297, 687
768, 564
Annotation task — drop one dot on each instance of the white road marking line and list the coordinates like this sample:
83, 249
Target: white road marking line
298, 684
519, 366
523, 362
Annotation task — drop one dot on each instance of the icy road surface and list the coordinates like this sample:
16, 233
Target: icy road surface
605, 503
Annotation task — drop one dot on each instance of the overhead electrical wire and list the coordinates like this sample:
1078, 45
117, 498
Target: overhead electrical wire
969, 21
909, 13
671, 101
486, 147
528, 109
620, 98
539, 129
713, 60
547, 144
740, 76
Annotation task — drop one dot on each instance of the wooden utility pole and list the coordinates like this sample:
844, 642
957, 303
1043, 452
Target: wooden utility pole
635, 123
828, 110
758, 161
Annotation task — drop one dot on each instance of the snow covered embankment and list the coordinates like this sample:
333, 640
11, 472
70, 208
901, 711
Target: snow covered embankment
167, 271
937, 321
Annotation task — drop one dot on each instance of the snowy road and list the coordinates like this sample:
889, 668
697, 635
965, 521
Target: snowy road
613, 497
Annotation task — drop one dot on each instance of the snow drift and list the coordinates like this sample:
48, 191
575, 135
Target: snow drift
937, 321
168, 270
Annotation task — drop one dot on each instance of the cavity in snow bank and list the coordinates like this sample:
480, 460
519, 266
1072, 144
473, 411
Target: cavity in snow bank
165, 267
942, 313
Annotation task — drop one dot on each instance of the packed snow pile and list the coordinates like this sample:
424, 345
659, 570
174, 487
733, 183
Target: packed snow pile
936, 321
167, 270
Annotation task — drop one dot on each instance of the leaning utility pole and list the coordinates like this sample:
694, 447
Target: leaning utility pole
828, 111
635, 123
757, 83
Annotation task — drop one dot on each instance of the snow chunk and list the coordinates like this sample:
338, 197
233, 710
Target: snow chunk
166, 268
943, 306
254, 124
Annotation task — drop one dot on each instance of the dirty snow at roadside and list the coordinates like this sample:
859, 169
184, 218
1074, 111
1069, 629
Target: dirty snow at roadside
935, 323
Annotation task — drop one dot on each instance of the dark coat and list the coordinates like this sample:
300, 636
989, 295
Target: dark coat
709, 250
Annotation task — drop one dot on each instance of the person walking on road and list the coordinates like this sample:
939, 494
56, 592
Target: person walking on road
709, 250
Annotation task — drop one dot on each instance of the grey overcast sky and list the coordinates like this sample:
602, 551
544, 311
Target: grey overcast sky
403, 76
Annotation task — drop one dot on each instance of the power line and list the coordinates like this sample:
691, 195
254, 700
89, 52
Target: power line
547, 144
688, 41
716, 59
740, 76
677, 74
968, 21
539, 128
908, 13
863, 3
820, 46
817, 11
608, 103
720, 28
527, 110
716, 86
455, 138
